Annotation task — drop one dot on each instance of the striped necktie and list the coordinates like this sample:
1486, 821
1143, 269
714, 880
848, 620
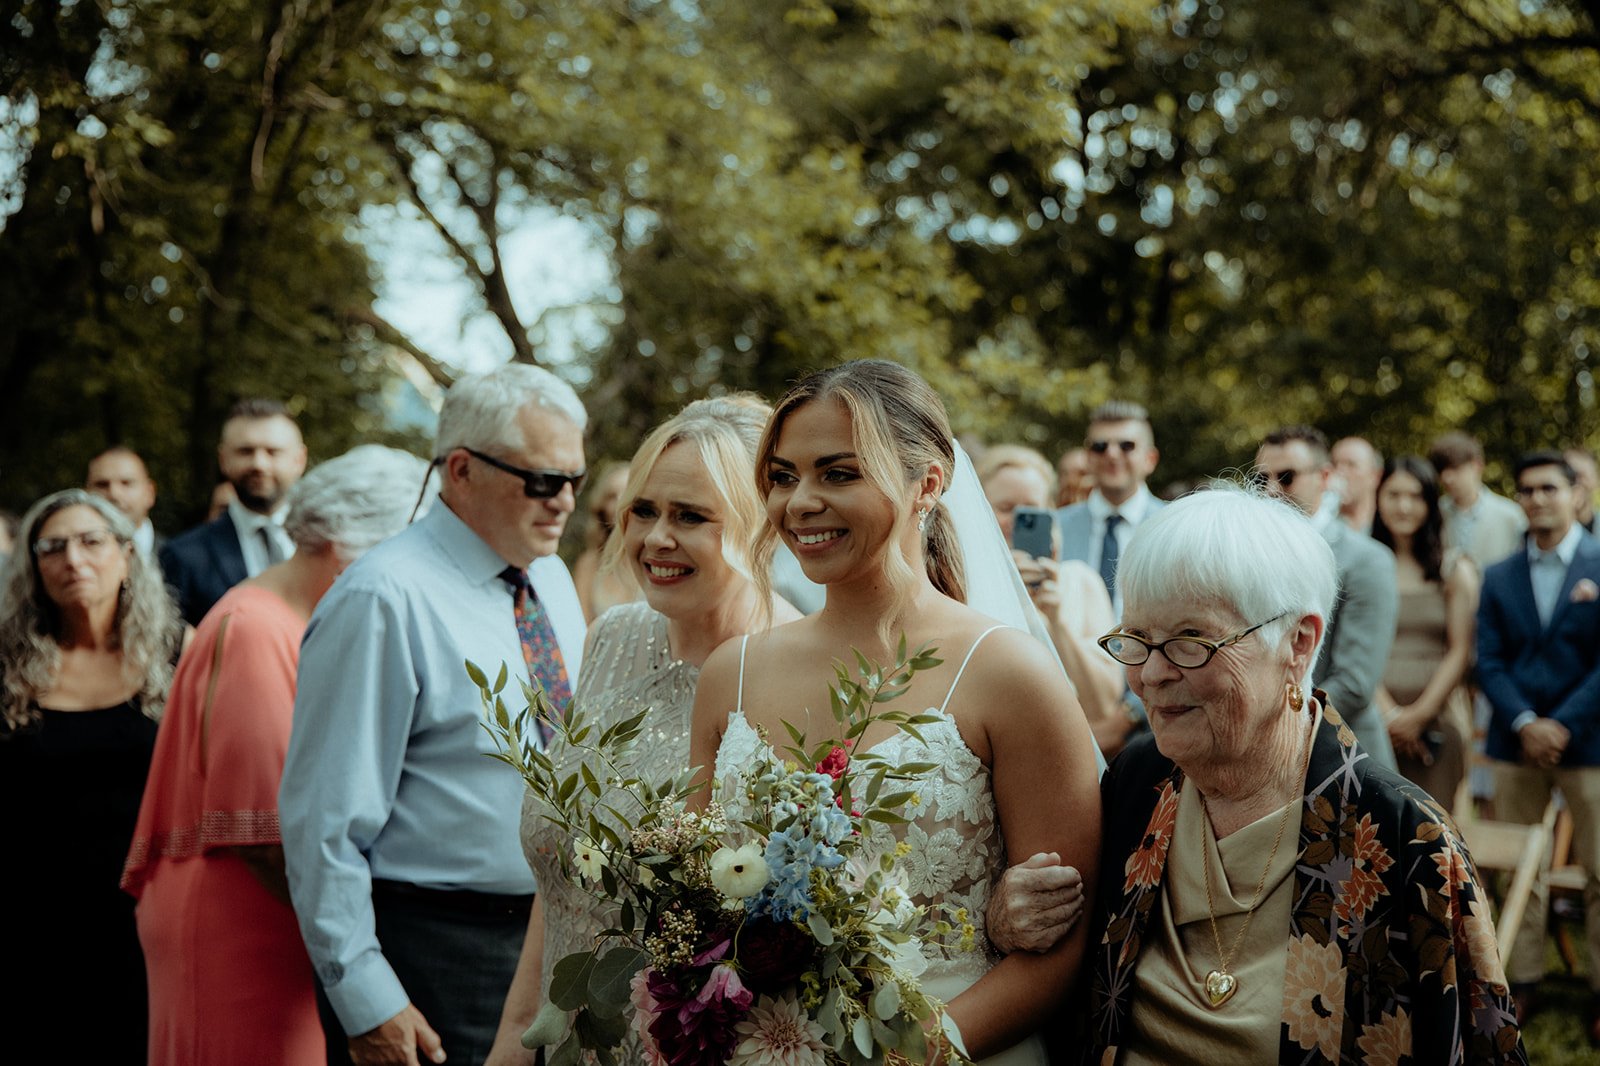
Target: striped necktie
546, 668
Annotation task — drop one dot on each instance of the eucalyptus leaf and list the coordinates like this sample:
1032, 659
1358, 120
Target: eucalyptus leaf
569, 980
861, 1034
600, 1029
477, 675
570, 1053
886, 1000
609, 980
820, 929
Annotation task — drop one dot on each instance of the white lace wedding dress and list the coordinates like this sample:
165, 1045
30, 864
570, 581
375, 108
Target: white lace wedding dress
956, 855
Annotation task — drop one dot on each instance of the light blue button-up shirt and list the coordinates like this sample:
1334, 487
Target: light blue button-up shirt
387, 773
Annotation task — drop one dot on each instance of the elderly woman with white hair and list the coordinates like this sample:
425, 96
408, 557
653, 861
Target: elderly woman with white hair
1268, 893
228, 974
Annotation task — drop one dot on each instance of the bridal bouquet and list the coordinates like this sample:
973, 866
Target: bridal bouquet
769, 941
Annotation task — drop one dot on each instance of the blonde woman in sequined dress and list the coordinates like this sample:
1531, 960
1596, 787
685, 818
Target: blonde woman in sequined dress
687, 512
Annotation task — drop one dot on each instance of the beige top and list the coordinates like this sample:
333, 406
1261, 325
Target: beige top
1173, 1020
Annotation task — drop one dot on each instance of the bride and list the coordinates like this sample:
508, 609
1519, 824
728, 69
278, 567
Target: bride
853, 466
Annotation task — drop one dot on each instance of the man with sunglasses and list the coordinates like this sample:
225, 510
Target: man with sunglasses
1122, 455
401, 835
1293, 463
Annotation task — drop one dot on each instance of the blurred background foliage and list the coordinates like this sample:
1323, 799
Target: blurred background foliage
1383, 218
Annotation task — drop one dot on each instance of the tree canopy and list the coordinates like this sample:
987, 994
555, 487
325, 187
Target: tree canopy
1380, 218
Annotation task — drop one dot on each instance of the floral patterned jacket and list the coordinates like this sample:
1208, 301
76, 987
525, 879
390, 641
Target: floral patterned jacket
1392, 954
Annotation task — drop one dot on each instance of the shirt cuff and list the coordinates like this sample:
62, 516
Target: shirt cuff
368, 994
1523, 719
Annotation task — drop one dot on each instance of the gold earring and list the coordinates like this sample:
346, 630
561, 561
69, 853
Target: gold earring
1297, 698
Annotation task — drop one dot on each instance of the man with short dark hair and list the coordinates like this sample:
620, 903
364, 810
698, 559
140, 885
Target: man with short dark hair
401, 836
119, 474
261, 455
1539, 666
1359, 467
1485, 525
1293, 463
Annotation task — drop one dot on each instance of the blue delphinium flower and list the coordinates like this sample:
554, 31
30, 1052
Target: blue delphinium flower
809, 824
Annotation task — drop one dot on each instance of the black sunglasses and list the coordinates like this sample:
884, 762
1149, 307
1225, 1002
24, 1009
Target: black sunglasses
1100, 447
536, 484
1284, 478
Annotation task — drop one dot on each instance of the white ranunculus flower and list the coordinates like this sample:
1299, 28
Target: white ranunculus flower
591, 860
739, 873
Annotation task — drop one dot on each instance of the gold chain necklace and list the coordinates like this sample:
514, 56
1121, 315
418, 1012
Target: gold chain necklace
1220, 983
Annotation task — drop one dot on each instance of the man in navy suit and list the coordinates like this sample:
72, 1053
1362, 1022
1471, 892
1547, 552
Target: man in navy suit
1539, 666
261, 455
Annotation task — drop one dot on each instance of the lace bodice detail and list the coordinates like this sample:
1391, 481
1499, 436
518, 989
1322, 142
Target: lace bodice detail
627, 668
956, 850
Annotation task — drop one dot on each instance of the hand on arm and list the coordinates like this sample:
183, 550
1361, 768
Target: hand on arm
1035, 904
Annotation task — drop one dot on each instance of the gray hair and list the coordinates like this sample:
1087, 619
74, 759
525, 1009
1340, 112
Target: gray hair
480, 410
1236, 546
147, 631
353, 502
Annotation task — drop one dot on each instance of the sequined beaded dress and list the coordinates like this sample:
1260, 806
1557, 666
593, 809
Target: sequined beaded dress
627, 668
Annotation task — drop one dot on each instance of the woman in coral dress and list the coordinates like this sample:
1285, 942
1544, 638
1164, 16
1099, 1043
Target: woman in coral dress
229, 978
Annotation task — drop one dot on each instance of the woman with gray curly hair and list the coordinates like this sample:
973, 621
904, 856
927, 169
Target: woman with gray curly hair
228, 972
88, 636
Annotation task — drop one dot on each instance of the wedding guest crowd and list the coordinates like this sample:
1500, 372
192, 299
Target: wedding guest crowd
311, 859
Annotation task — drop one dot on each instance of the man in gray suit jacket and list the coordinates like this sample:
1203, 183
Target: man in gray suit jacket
1293, 463
1122, 454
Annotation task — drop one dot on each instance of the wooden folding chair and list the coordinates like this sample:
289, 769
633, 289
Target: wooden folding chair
1520, 850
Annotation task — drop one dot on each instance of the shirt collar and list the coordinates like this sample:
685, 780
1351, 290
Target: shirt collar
478, 562
1563, 551
248, 520
1323, 521
1132, 509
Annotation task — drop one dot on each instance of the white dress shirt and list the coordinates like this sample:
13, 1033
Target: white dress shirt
144, 538
248, 524
1133, 511
1547, 570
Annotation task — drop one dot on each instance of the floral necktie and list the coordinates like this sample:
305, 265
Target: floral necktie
546, 668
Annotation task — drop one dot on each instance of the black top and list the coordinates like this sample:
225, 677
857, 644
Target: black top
70, 787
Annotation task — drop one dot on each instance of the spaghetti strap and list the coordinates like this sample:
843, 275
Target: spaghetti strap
963, 669
744, 643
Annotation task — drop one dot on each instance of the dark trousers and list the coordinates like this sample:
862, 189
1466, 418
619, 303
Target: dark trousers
455, 954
